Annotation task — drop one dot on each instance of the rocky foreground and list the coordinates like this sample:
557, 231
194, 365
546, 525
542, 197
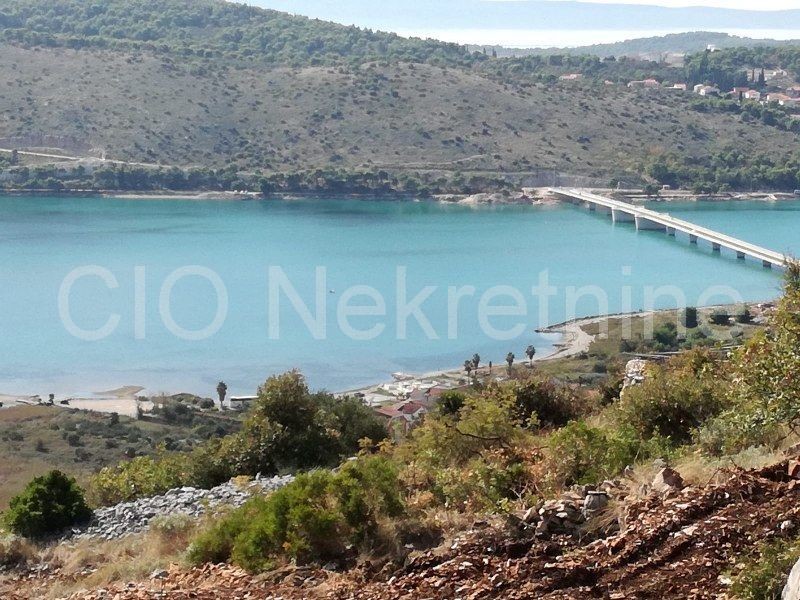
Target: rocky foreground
671, 543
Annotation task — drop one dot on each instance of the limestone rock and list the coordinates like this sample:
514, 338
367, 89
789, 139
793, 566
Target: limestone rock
792, 589
667, 480
135, 517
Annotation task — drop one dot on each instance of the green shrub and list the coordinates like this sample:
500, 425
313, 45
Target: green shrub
726, 434
48, 505
720, 317
743, 315
766, 397
766, 572
579, 453
139, 477
543, 401
451, 402
665, 337
215, 544
674, 399
314, 518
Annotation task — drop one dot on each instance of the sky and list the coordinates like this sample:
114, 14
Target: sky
737, 4
528, 24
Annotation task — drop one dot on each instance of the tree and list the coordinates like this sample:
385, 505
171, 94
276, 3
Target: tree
762, 79
720, 317
222, 389
530, 352
744, 316
510, 360
476, 362
14, 157
651, 189
690, 317
451, 402
468, 367
48, 505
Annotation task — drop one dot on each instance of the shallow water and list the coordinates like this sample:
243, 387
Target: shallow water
357, 242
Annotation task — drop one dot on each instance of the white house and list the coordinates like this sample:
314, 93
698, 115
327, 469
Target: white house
644, 83
708, 90
241, 403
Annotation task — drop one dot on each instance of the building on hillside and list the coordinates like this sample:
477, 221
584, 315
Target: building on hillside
428, 396
793, 91
783, 100
752, 95
241, 403
644, 83
571, 77
706, 90
403, 415
680, 86
772, 74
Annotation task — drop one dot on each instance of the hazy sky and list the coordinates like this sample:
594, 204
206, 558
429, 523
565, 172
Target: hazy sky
741, 4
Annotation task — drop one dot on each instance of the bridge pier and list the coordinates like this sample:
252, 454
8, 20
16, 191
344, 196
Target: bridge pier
620, 216
645, 219
646, 224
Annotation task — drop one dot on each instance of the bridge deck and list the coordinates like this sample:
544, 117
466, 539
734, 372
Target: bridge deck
646, 218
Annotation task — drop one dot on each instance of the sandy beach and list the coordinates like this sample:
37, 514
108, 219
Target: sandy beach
121, 400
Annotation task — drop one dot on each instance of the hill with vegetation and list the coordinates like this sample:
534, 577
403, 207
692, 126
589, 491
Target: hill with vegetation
690, 42
213, 95
677, 43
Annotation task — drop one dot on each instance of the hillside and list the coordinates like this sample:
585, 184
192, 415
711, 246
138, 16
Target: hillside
213, 85
674, 43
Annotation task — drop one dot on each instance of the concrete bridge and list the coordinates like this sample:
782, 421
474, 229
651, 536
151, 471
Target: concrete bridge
646, 219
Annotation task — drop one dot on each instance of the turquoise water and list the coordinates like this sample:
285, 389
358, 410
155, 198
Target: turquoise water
358, 242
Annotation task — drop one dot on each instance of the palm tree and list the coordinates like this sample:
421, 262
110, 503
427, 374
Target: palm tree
468, 367
476, 362
530, 352
510, 360
222, 389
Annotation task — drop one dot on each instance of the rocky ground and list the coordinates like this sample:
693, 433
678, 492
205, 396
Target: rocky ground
135, 517
671, 543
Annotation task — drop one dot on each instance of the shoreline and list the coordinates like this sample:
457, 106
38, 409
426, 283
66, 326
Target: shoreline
573, 340
522, 196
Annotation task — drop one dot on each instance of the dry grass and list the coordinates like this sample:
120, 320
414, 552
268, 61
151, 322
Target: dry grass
37, 437
92, 564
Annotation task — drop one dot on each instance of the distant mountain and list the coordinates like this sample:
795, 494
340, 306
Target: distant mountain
650, 47
393, 15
